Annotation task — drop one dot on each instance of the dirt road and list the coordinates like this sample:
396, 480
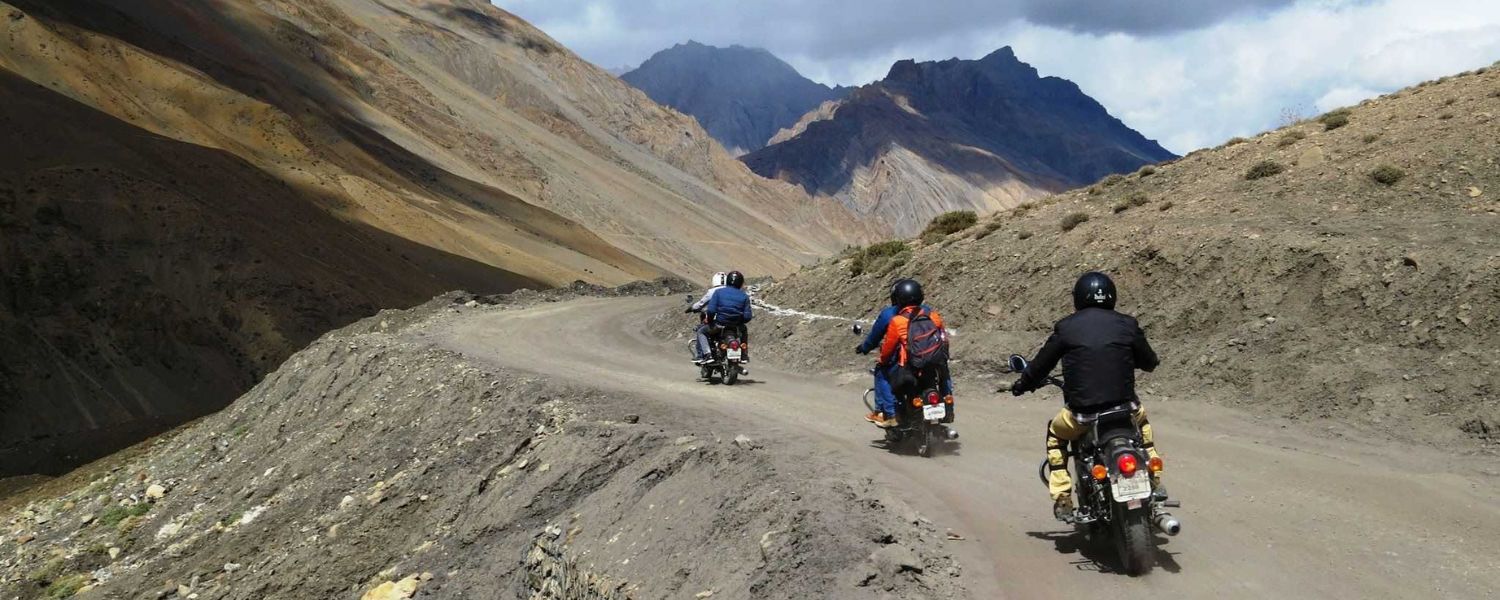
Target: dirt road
1270, 509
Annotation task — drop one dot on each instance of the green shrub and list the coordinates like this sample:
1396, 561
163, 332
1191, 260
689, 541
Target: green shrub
1387, 174
1145, 172
1335, 119
1112, 179
1020, 211
114, 514
1073, 220
1138, 199
988, 229
1095, 190
880, 258
68, 585
1235, 141
1265, 168
951, 222
1289, 138
1371, 138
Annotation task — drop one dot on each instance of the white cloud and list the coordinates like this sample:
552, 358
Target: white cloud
1187, 88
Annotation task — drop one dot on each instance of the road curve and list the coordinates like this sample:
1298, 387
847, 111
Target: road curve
1270, 510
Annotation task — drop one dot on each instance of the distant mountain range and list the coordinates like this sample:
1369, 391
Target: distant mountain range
980, 134
742, 96
931, 137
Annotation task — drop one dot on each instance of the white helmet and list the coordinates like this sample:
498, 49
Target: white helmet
719, 279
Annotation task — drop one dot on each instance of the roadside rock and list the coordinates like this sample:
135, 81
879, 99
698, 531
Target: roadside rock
895, 558
393, 590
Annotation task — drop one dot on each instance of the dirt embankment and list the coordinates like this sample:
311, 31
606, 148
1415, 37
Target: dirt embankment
1312, 289
374, 458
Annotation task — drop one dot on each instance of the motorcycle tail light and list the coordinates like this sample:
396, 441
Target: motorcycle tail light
1154, 464
1128, 465
948, 399
1099, 472
917, 402
932, 398
734, 345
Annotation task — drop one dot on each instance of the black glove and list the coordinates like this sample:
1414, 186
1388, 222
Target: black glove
860, 349
689, 310
1019, 387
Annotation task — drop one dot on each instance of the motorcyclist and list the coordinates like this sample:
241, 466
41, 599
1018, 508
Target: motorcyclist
904, 293
1100, 349
729, 306
700, 347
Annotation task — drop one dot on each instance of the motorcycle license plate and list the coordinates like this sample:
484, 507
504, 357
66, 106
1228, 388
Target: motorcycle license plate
934, 412
1131, 488
732, 354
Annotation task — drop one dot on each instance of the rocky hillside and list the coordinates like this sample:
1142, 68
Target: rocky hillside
1343, 270
376, 465
196, 189
932, 137
742, 96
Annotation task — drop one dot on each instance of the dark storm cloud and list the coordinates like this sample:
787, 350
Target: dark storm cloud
831, 29
1139, 17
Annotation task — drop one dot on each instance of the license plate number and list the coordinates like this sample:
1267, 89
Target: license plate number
934, 412
1131, 488
733, 354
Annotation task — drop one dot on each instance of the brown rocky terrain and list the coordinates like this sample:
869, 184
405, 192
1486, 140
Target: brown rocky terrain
932, 137
195, 190
1342, 271
379, 464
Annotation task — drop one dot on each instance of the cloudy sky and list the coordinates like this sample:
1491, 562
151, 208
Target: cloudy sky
1189, 73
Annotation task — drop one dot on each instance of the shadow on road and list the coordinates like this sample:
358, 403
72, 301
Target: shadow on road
1098, 554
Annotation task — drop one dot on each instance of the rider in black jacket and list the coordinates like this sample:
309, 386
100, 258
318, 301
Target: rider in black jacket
1100, 349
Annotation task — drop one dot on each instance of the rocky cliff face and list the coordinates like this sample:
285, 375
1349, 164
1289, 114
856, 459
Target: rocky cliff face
742, 96
957, 134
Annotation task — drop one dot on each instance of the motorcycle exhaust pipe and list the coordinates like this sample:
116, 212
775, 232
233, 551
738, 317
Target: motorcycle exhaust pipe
1167, 524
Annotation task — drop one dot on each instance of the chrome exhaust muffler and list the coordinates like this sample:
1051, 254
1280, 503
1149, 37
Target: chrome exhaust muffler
952, 433
1166, 523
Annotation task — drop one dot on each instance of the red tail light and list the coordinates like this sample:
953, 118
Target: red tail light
734, 344
932, 398
1128, 465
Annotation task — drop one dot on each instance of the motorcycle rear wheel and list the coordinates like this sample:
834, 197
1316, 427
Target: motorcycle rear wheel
1134, 542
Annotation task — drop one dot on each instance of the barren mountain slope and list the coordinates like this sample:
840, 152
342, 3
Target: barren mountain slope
368, 154
931, 137
742, 96
1316, 292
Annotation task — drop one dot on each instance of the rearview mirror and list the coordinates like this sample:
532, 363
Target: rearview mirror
1017, 363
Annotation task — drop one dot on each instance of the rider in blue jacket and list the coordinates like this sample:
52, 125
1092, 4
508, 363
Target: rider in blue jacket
885, 397
730, 307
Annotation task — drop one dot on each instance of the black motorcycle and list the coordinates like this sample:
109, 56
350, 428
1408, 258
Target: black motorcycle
923, 414
1112, 484
726, 353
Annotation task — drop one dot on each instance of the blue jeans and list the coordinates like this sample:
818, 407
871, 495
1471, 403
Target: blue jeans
885, 397
702, 348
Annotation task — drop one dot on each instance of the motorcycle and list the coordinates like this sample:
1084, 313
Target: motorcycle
925, 416
1112, 483
726, 355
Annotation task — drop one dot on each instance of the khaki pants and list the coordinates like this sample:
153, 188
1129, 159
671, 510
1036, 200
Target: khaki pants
1065, 428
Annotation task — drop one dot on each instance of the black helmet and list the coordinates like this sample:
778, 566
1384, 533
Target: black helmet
735, 279
1094, 289
906, 292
